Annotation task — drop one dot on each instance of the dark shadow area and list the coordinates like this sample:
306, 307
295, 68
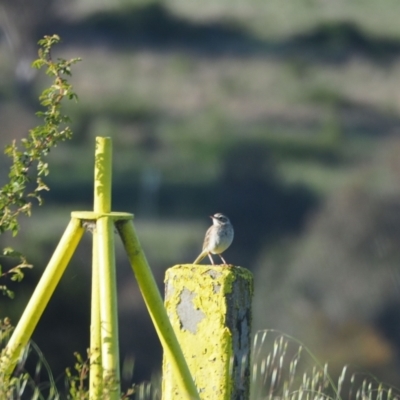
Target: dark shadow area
154, 27
388, 322
337, 41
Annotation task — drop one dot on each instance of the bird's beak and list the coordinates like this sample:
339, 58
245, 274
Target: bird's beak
212, 217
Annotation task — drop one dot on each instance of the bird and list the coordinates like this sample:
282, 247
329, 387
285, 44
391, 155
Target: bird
218, 238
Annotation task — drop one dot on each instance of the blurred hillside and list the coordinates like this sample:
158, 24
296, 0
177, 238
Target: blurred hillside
284, 116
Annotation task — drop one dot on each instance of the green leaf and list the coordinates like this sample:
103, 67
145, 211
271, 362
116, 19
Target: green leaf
10, 252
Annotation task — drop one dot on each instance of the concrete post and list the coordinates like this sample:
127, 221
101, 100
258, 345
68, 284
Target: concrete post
210, 310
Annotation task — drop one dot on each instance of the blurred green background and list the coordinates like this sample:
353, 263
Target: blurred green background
284, 115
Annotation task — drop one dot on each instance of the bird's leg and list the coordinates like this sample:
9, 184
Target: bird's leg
211, 259
222, 259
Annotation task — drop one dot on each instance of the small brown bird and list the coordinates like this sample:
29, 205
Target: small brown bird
218, 238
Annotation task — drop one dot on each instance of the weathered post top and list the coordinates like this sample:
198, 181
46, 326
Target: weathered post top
210, 310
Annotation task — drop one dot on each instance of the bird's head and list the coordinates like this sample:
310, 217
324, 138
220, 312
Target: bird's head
219, 219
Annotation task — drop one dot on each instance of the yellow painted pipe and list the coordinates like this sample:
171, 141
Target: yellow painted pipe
102, 204
108, 307
40, 297
155, 306
96, 372
103, 175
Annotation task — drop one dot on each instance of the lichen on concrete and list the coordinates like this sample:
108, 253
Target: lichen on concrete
197, 300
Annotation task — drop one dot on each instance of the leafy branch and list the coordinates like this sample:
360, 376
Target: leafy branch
28, 160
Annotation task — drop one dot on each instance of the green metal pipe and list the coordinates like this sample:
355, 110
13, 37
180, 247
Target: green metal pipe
96, 372
102, 204
102, 175
108, 307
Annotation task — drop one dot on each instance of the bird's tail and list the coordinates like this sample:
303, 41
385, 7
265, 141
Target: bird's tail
200, 257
